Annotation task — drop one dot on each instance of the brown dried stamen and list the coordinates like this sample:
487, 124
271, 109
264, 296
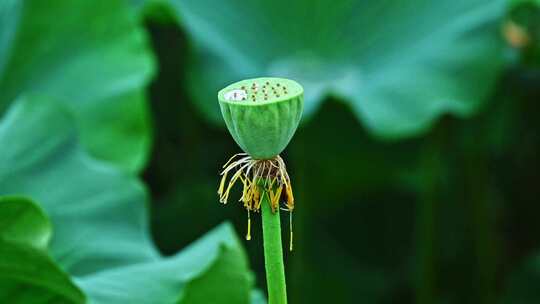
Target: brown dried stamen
257, 177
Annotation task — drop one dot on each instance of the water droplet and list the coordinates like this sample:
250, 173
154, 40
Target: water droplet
235, 95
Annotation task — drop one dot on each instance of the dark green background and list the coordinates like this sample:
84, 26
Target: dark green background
446, 217
416, 168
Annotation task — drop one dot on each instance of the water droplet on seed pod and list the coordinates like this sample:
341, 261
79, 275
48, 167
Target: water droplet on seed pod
235, 95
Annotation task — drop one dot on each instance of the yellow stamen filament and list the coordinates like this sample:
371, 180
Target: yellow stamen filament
290, 197
274, 198
248, 235
257, 177
290, 231
222, 184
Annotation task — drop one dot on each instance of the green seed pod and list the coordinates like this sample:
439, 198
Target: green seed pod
262, 114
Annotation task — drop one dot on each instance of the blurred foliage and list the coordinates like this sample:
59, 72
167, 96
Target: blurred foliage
399, 65
90, 55
23, 221
447, 214
25, 233
429, 219
100, 225
38, 158
523, 30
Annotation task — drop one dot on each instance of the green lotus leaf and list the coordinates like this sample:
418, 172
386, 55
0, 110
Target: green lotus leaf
399, 65
24, 222
27, 273
100, 225
90, 55
41, 159
212, 270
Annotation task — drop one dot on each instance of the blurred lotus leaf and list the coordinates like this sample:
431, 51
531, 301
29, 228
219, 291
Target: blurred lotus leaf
24, 232
48, 165
399, 64
92, 56
100, 225
23, 221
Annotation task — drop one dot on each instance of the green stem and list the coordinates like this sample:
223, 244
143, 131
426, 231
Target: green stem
273, 253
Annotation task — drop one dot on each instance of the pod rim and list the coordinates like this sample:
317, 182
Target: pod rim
298, 90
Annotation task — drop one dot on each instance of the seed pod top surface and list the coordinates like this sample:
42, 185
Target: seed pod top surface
262, 114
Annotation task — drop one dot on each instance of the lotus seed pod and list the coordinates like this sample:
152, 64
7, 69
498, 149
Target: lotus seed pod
262, 114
